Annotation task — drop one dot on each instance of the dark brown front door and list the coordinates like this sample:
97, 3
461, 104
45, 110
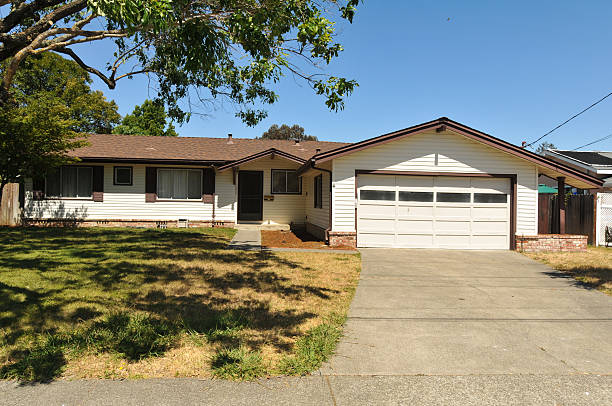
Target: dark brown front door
250, 195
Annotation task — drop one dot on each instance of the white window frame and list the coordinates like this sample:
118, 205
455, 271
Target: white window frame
175, 170
299, 192
61, 184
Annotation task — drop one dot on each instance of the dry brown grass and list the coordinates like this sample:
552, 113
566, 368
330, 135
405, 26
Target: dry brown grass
592, 268
61, 282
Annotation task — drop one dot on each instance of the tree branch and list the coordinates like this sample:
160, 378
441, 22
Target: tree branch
111, 83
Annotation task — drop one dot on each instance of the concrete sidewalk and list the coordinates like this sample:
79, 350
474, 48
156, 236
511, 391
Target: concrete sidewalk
321, 390
248, 239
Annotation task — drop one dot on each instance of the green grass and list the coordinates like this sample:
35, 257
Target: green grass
238, 363
313, 348
139, 303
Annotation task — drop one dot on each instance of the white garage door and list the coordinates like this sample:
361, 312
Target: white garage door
433, 212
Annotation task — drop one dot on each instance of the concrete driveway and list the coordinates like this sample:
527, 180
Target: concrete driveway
471, 312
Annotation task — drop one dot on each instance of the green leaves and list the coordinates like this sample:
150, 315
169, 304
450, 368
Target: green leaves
335, 89
150, 118
135, 14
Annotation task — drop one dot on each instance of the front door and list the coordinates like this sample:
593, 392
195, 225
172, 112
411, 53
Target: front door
250, 195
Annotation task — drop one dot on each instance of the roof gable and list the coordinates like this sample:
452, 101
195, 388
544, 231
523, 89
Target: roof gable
444, 123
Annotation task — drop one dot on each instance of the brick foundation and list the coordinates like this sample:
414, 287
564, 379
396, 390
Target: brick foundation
551, 242
343, 239
122, 223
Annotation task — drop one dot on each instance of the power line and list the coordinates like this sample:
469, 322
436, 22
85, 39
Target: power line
570, 119
593, 142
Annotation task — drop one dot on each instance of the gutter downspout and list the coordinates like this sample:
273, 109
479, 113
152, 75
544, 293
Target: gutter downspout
328, 229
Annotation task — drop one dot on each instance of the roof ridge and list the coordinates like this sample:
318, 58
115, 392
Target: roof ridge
213, 138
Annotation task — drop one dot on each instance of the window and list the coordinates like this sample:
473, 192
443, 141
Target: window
318, 192
286, 182
490, 198
70, 181
415, 196
453, 197
377, 195
122, 175
179, 184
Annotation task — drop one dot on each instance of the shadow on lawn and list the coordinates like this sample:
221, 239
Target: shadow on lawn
109, 260
587, 277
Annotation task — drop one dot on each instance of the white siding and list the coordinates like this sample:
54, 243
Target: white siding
128, 202
434, 152
284, 209
316, 216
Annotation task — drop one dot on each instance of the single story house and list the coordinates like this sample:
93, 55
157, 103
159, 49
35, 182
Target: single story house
440, 184
598, 164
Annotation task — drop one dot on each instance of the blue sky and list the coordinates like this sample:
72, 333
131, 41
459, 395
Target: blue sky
513, 69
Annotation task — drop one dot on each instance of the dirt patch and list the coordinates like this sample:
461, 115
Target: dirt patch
294, 239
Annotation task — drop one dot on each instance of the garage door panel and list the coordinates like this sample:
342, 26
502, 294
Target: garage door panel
453, 241
453, 212
433, 212
493, 213
489, 227
368, 210
375, 181
415, 226
452, 227
415, 211
491, 185
376, 240
499, 242
415, 240
415, 182
446, 183
377, 224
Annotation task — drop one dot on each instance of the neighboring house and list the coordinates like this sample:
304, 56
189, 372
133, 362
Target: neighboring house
598, 164
437, 184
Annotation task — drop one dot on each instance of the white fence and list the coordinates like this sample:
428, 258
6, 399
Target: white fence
604, 216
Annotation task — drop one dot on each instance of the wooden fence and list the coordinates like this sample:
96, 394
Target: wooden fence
9, 206
579, 215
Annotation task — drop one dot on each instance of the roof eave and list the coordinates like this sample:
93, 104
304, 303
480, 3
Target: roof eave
260, 155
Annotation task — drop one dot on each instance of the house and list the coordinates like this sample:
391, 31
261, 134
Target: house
440, 184
598, 164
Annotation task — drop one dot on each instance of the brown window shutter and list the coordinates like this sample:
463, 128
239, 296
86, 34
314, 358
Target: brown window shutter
208, 185
98, 184
150, 185
38, 189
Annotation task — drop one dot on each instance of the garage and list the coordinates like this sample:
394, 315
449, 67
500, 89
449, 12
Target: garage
457, 212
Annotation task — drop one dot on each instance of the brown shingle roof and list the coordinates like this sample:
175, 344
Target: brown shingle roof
138, 147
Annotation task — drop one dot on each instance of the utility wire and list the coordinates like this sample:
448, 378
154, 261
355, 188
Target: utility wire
570, 119
593, 142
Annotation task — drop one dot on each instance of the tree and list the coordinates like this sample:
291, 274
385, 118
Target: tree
150, 118
44, 138
52, 104
200, 50
284, 132
544, 146
62, 79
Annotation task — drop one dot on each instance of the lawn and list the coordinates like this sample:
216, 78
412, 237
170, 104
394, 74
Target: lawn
139, 303
592, 268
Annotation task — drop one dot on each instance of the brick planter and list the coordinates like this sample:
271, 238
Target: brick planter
343, 239
551, 242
